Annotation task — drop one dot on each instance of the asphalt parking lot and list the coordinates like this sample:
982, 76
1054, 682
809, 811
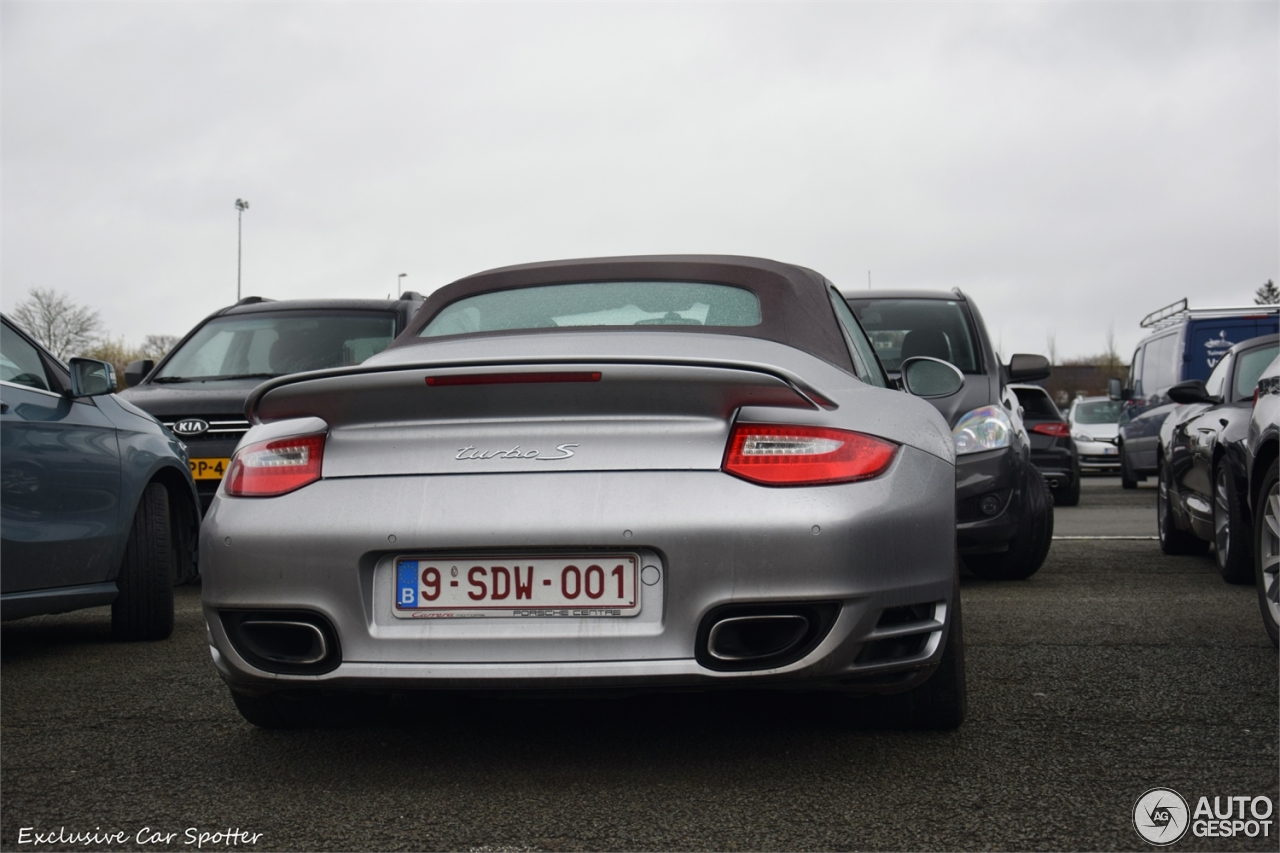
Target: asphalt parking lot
1113, 670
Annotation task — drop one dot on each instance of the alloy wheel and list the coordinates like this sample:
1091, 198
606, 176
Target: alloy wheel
1221, 515
1269, 547
1162, 498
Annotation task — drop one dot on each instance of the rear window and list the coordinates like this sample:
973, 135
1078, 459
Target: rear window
904, 328
1036, 403
277, 343
599, 305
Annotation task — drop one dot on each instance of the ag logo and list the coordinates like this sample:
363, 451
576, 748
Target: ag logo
190, 426
1160, 816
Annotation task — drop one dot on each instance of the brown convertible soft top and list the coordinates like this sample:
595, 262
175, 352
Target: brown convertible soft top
795, 307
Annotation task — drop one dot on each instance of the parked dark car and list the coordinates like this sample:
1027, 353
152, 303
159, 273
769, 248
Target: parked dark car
1263, 446
1203, 493
1184, 344
98, 503
1004, 515
1053, 451
199, 389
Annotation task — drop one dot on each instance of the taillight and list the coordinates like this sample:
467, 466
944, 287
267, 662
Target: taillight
271, 468
1058, 430
786, 455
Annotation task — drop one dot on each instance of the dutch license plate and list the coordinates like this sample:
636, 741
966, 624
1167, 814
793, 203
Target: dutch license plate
208, 469
592, 585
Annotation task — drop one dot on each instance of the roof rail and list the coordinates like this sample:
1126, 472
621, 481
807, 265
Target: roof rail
1173, 309
253, 300
411, 296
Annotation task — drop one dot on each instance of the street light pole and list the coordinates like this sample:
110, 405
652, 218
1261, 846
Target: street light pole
400, 280
241, 207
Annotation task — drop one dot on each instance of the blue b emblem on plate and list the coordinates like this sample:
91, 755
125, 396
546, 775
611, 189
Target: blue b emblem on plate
407, 583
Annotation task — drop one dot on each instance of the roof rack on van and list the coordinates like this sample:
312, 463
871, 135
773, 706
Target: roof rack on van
1178, 311
1168, 312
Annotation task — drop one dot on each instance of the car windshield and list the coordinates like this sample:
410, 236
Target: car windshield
906, 328
1250, 368
1099, 412
598, 304
259, 346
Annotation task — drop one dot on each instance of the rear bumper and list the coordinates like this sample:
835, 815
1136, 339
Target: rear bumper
1056, 465
328, 549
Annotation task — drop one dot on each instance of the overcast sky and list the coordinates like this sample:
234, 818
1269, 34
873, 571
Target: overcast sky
1069, 165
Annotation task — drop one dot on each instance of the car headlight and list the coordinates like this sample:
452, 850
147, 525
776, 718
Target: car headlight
1082, 436
987, 428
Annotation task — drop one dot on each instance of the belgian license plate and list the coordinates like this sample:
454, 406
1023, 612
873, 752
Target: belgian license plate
208, 469
590, 585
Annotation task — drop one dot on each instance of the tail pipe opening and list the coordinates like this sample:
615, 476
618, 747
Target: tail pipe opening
737, 637
286, 642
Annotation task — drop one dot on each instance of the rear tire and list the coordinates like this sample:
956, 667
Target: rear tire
143, 609
307, 709
262, 711
1173, 540
1029, 546
941, 702
1266, 551
1232, 528
1126, 482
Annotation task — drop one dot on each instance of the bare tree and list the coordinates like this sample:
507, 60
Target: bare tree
1052, 339
156, 347
1113, 356
1268, 294
64, 327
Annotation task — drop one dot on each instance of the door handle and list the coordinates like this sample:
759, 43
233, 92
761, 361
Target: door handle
4, 407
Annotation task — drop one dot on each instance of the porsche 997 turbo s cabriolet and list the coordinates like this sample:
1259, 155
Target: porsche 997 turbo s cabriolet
662, 472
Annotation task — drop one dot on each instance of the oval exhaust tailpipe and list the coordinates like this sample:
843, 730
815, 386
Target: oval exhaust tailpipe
745, 638
280, 641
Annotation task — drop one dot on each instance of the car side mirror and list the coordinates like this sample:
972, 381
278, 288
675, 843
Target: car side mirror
1116, 391
930, 377
1028, 368
91, 378
135, 371
1191, 391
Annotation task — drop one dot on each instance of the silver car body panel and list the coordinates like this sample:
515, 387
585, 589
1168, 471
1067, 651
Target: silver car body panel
644, 477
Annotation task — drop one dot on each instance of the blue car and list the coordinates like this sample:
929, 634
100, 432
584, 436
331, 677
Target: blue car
98, 502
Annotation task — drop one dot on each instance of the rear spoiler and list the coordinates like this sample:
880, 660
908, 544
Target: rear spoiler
259, 409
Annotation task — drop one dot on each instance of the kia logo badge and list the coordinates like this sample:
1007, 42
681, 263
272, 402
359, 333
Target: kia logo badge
190, 426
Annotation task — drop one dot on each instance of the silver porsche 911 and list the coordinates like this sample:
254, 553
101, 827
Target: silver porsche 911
638, 472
